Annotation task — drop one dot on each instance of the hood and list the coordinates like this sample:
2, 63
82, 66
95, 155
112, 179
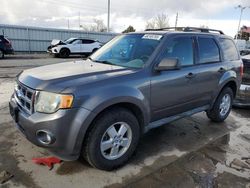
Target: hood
57, 77
55, 42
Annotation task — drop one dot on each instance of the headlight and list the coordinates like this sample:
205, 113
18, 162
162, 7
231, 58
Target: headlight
47, 102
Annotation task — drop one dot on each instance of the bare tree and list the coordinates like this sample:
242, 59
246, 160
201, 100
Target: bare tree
157, 22
204, 26
100, 26
97, 26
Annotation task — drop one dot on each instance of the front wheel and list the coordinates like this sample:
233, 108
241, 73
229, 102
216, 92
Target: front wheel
64, 53
112, 140
222, 106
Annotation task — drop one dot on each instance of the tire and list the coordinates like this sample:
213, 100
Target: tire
1, 54
220, 112
64, 53
101, 129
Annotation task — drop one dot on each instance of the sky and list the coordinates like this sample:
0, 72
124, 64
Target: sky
216, 14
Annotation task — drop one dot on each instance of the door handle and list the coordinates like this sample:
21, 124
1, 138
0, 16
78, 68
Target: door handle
222, 70
190, 75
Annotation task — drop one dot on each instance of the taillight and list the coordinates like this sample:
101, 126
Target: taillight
241, 70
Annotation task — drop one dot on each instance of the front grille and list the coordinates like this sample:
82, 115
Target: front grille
24, 97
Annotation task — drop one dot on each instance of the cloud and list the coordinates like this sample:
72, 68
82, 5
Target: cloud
57, 13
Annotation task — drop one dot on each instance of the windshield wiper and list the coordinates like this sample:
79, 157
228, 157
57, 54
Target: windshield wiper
101, 61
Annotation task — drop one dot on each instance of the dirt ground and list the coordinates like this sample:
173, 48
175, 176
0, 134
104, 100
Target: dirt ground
191, 152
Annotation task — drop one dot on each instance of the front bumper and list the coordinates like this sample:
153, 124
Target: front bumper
64, 125
53, 50
243, 96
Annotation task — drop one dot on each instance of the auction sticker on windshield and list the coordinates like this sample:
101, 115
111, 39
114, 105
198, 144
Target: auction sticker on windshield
152, 37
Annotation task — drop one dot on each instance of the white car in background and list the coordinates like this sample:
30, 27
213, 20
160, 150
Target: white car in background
73, 46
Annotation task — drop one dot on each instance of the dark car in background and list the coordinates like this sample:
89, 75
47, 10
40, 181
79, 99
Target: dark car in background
5, 47
243, 97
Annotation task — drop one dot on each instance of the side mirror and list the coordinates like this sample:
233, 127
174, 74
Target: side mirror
168, 64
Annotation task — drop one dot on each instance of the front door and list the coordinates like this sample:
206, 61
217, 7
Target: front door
172, 91
75, 47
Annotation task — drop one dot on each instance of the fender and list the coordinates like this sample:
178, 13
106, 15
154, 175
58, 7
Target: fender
62, 48
106, 98
118, 94
229, 76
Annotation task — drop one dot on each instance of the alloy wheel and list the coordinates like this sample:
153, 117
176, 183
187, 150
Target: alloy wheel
116, 140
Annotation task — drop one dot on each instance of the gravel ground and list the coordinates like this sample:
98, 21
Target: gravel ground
191, 152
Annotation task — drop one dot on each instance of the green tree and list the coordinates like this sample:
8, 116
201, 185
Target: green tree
129, 29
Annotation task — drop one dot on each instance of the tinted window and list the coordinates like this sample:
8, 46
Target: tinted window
85, 41
182, 49
229, 50
208, 50
246, 75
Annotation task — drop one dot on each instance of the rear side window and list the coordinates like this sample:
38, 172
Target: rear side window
229, 50
208, 50
182, 49
86, 41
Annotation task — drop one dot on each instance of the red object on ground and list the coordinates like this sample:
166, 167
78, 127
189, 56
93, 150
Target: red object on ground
47, 161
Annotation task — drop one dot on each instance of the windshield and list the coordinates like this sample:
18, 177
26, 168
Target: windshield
128, 50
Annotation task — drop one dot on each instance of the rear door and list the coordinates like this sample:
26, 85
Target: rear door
208, 70
87, 45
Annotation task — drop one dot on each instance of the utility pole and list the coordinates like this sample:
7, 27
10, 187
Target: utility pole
68, 23
79, 20
108, 16
242, 8
176, 20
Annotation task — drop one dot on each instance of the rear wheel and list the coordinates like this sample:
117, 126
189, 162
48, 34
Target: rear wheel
222, 106
1, 54
64, 53
112, 140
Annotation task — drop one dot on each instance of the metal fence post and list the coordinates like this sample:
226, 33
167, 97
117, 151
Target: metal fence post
28, 34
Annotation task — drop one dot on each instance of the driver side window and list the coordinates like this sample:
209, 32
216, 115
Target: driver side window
77, 42
180, 48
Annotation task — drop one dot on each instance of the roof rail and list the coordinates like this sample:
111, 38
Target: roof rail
188, 29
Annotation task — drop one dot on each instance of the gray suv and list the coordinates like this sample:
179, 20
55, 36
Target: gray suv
98, 108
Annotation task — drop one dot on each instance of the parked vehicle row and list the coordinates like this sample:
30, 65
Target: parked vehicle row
243, 97
5, 47
73, 46
98, 108
242, 46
